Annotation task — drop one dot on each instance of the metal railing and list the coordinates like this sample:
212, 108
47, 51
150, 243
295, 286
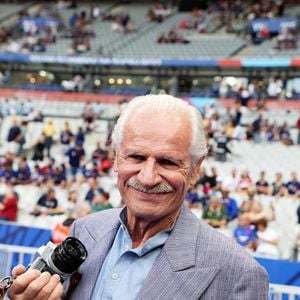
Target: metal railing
11, 255
286, 292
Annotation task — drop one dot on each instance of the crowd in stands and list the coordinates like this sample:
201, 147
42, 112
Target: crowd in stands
81, 32
254, 88
121, 20
287, 39
33, 32
158, 12
214, 200
35, 35
230, 203
222, 128
202, 20
173, 36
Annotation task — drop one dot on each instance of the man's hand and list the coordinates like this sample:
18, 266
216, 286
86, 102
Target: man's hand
33, 284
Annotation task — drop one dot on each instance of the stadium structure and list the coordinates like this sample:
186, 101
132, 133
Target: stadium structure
59, 60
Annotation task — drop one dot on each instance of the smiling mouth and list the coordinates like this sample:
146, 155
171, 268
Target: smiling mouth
161, 188
150, 191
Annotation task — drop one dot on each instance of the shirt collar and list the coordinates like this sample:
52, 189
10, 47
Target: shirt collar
158, 240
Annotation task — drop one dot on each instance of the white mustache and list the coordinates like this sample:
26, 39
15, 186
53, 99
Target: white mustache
161, 188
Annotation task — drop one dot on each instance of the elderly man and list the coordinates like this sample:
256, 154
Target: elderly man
154, 248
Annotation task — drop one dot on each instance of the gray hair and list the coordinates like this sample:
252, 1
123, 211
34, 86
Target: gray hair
198, 148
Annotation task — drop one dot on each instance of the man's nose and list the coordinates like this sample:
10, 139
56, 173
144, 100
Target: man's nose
148, 174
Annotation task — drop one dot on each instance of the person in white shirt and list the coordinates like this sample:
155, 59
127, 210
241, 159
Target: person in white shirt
267, 241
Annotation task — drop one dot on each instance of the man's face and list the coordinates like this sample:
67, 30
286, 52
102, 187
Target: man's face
154, 165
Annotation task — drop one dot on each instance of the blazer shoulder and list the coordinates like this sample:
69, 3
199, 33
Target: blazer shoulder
222, 250
95, 223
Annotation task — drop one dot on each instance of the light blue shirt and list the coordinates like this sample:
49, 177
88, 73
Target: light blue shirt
125, 269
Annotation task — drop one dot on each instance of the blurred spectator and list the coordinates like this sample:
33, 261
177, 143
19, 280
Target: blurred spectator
23, 173
193, 198
122, 23
293, 185
58, 175
230, 205
79, 136
22, 139
245, 233
158, 12
100, 202
278, 188
254, 209
173, 37
106, 164
90, 170
61, 230
286, 39
267, 241
209, 181
38, 149
14, 136
47, 204
230, 182
222, 149
95, 12
66, 137
285, 136
49, 132
70, 206
99, 154
245, 181
93, 189
257, 128
244, 96
89, 117
215, 213
262, 185
75, 156
272, 88
7, 173
76, 84
9, 205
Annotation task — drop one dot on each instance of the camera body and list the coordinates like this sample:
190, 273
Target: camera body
62, 259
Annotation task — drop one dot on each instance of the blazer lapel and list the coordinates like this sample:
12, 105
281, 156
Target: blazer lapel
175, 272
98, 240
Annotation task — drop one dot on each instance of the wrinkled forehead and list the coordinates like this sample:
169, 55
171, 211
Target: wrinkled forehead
159, 116
160, 123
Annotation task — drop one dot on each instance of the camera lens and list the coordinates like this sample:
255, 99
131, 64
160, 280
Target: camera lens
69, 255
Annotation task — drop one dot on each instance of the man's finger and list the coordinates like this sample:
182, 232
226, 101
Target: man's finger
22, 281
49, 288
18, 270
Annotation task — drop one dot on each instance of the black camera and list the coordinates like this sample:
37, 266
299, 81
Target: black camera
62, 259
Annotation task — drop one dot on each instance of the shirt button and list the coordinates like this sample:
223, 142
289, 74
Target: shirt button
114, 276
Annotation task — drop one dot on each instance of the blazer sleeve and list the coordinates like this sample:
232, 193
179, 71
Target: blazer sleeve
252, 285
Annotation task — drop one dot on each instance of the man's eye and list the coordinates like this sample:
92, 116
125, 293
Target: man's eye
136, 157
167, 162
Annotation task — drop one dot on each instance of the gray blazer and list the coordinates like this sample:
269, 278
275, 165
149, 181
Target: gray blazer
196, 262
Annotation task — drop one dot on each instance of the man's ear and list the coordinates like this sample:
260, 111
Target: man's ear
195, 172
115, 165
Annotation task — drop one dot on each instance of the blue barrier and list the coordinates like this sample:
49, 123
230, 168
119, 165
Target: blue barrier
13, 234
281, 271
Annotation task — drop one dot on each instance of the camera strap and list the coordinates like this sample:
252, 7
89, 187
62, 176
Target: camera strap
74, 280
5, 284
